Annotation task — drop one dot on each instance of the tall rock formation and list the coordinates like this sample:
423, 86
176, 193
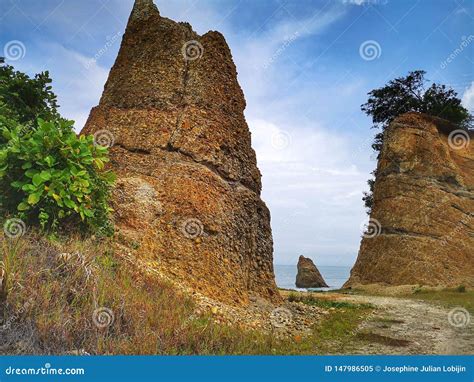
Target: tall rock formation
308, 275
188, 194
422, 227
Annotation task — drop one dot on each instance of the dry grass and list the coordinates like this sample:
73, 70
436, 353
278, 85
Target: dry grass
54, 288
76, 295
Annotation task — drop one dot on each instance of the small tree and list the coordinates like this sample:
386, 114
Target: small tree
25, 99
405, 94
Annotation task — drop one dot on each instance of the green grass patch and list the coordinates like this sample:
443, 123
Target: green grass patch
337, 332
337, 304
310, 299
447, 297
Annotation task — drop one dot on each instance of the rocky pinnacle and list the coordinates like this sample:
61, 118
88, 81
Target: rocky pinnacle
188, 191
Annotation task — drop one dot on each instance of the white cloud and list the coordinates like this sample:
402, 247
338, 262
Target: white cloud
259, 54
311, 182
364, 2
313, 190
355, 2
79, 86
468, 98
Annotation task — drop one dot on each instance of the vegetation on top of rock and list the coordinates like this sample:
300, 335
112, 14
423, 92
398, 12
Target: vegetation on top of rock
48, 175
404, 94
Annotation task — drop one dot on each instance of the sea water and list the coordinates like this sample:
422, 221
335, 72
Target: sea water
335, 276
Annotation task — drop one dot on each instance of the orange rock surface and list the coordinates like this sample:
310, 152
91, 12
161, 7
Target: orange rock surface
422, 225
188, 190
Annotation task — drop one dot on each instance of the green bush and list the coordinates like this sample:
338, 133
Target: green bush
51, 177
24, 99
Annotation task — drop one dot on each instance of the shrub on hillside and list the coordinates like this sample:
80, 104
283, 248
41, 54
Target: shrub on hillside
51, 177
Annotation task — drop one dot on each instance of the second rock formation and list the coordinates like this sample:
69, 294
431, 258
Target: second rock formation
421, 229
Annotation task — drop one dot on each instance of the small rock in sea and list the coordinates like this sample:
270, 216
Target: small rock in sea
308, 275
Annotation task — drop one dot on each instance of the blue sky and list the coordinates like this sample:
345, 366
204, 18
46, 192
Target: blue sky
305, 68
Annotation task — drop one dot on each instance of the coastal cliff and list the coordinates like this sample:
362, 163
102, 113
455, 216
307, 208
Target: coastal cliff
421, 228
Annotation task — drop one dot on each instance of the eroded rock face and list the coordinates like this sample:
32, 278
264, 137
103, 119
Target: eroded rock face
422, 219
189, 187
308, 275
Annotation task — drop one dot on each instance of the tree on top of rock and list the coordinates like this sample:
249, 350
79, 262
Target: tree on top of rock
409, 93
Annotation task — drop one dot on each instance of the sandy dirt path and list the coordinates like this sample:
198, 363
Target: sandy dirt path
407, 326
